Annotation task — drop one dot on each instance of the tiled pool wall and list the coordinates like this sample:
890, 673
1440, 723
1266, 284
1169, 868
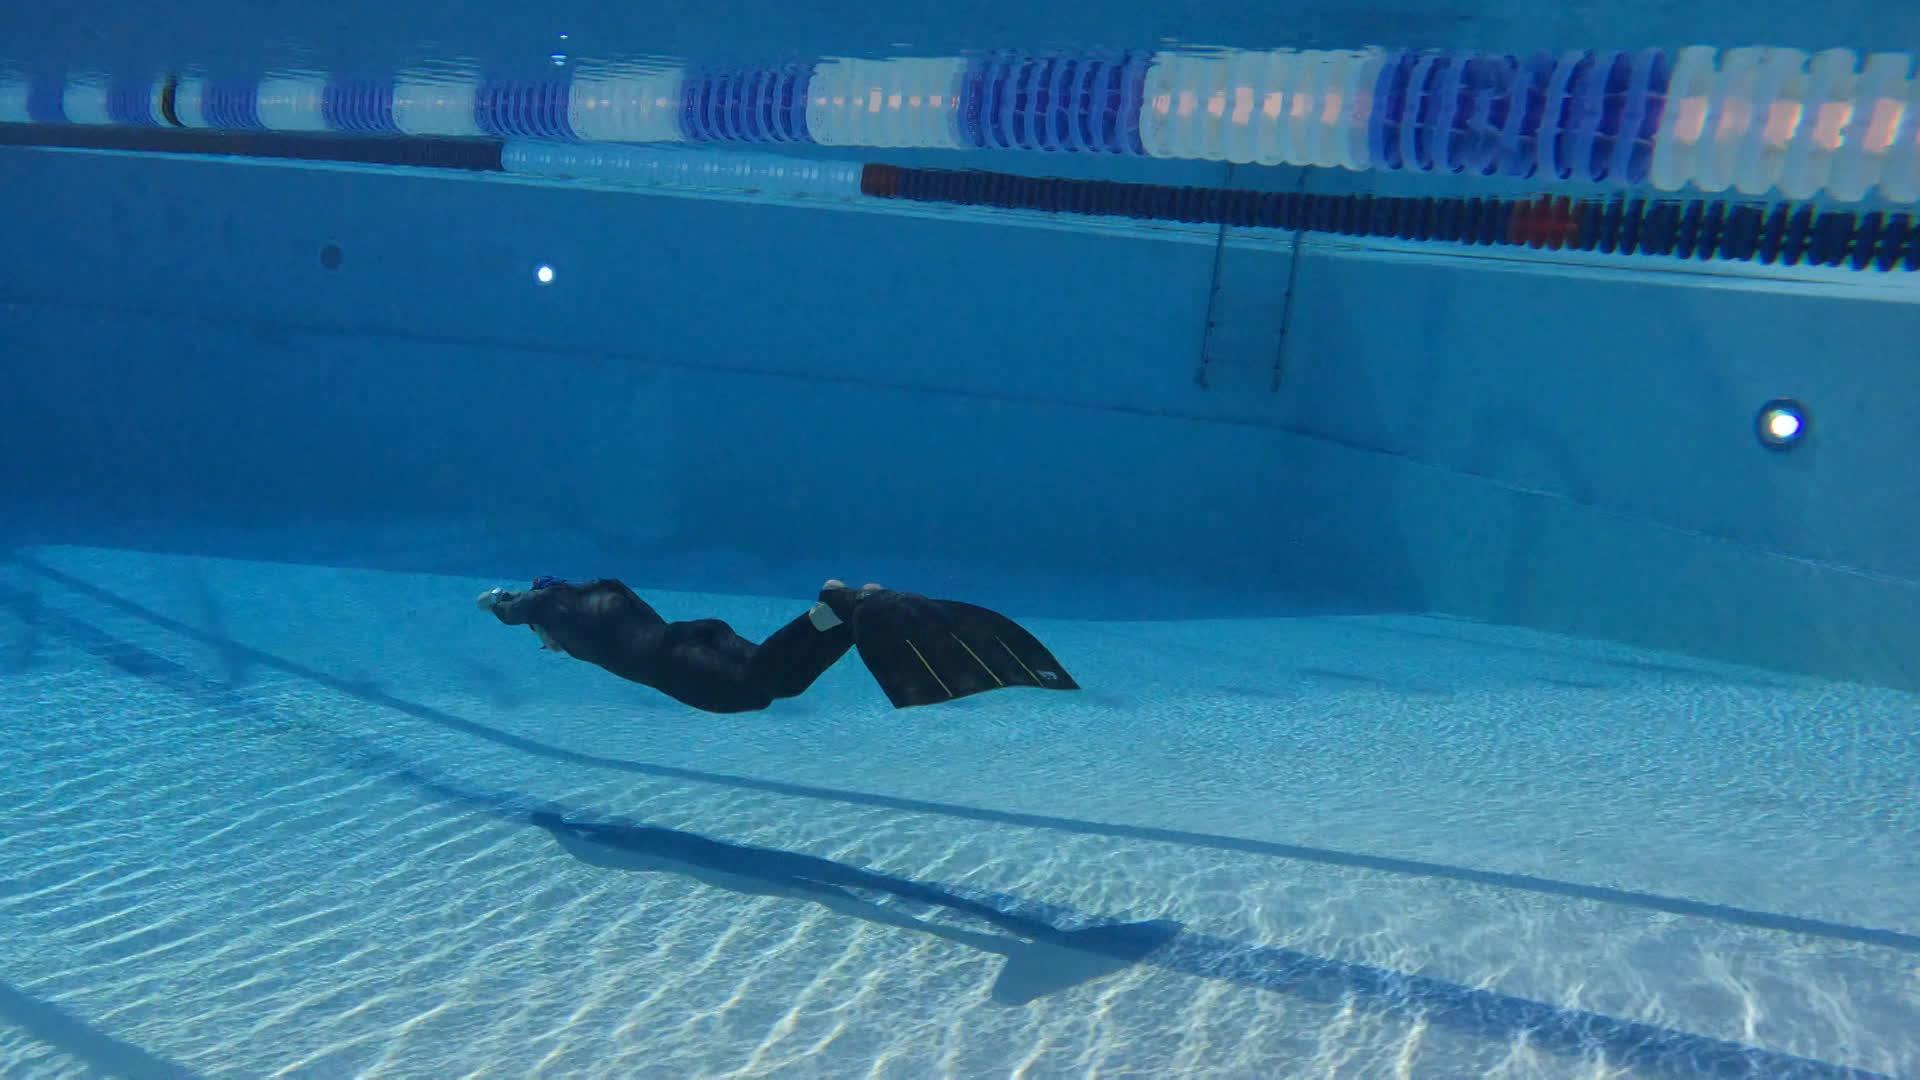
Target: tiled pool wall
1570, 453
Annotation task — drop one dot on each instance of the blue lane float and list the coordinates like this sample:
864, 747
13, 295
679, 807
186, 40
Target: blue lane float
46, 100
1076, 104
1603, 112
765, 105
1753, 120
130, 102
231, 105
1581, 117
360, 106
524, 109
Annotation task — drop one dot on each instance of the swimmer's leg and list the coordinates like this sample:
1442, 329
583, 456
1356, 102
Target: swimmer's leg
795, 655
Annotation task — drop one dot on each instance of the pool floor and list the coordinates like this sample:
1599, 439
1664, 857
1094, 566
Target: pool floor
277, 819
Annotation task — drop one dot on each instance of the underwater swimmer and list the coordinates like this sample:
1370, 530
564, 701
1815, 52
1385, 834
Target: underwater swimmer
921, 651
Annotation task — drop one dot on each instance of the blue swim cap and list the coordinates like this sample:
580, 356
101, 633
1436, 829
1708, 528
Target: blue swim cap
546, 581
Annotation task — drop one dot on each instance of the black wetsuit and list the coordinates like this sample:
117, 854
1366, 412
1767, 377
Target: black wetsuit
702, 662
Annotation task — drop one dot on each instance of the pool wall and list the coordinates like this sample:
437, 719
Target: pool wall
784, 384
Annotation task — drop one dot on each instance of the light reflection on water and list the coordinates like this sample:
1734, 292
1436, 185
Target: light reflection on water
374, 38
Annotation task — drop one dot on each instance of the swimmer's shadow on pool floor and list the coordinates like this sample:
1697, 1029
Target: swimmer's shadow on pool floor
1040, 958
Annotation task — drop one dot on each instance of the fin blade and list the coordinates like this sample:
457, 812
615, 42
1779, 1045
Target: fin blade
1015, 654
923, 651
902, 671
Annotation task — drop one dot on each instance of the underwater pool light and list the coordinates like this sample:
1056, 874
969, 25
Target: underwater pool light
543, 274
1781, 424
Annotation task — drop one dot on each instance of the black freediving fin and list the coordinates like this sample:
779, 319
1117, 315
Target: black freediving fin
923, 651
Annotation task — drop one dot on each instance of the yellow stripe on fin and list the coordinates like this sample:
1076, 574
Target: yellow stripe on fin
976, 657
1017, 660
929, 667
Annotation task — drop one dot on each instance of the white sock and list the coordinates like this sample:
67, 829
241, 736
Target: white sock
822, 616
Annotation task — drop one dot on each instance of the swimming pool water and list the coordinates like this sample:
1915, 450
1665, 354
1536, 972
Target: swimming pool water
271, 819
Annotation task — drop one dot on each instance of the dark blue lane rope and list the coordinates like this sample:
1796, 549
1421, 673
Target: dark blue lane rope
472, 155
1726, 230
